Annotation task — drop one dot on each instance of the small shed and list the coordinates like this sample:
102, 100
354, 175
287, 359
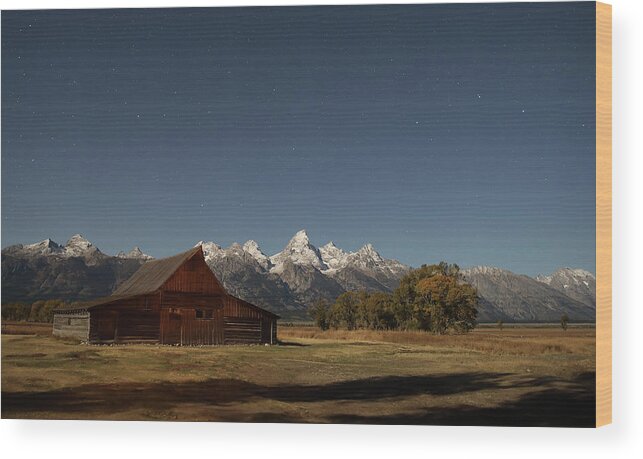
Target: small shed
175, 300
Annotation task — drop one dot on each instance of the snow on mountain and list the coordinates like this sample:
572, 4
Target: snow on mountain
211, 251
575, 283
369, 259
78, 246
46, 247
521, 298
291, 280
253, 249
300, 251
135, 253
333, 256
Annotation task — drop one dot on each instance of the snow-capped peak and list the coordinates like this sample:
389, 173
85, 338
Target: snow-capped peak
300, 251
78, 246
368, 258
369, 251
300, 238
577, 272
333, 256
210, 250
135, 253
77, 240
46, 247
253, 249
567, 276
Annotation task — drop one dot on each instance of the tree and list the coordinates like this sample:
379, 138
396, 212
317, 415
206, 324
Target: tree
500, 324
378, 311
320, 313
407, 313
15, 311
432, 298
344, 311
444, 303
564, 320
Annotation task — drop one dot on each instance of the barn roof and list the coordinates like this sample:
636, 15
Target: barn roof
95, 302
149, 278
153, 274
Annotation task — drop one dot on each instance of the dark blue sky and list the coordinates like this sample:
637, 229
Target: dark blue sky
455, 132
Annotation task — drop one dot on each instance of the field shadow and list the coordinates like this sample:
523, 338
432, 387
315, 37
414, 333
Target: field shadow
573, 405
551, 407
292, 344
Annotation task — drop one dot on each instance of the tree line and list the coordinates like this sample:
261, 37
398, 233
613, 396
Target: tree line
432, 298
38, 311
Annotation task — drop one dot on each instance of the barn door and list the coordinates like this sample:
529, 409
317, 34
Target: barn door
106, 325
170, 327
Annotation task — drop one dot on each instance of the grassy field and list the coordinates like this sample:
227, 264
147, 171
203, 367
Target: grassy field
519, 376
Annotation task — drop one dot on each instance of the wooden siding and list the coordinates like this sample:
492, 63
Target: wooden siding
239, 330
194, 276
234, 307
191, 300
268, 330
247, 324
181, 326
72, 325
128, 320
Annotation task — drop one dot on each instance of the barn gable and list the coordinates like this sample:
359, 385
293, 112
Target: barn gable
156, 274
193, 276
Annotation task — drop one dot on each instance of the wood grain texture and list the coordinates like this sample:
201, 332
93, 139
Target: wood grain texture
603, 214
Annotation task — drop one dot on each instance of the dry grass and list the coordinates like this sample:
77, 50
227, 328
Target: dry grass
514, 340
520, 376
26, 328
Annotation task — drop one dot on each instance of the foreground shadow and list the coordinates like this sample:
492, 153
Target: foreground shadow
572, 406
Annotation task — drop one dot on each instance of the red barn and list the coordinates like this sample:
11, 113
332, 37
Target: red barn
175, 300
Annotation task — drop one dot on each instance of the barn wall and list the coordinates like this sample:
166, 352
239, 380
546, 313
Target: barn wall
244, 323
269, 330
181, 326
132, 319
194, 276
72, 325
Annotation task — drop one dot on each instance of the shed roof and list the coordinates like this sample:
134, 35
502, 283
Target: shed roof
82, 305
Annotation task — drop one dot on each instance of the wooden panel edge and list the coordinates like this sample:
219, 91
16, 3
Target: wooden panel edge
603, 214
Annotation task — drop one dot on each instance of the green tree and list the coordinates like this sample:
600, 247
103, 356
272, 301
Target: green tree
344, 312
564, 321
375, 311
320, 313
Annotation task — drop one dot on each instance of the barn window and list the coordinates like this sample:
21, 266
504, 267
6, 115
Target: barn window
204, 314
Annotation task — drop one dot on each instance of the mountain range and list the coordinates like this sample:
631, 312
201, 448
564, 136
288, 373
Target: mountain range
289, 281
